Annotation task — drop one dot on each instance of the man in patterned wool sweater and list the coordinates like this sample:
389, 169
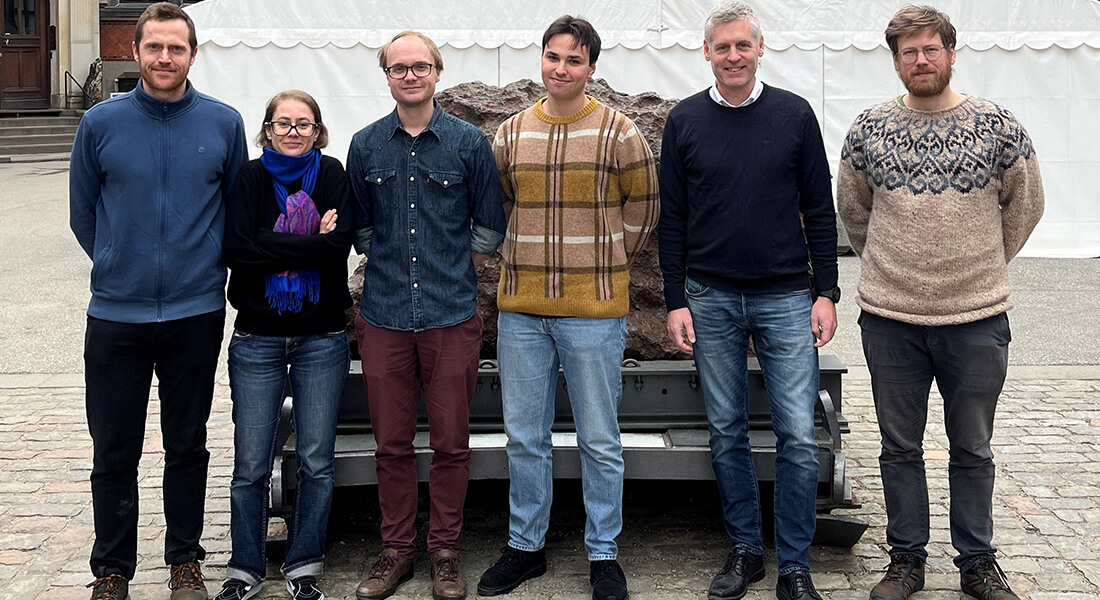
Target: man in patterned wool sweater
580, 189
938, 192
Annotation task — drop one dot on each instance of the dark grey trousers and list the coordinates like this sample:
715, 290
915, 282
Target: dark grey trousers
968, 363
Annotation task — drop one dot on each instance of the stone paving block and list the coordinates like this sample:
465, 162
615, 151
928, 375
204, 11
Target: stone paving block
1029, 550
1016, 564
67, 590
22, 541
1049, 525
1062, 582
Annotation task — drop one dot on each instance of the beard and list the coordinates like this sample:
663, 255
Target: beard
927, 86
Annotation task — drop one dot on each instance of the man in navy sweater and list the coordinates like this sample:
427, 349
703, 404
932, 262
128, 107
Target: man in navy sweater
740, 164
147, 177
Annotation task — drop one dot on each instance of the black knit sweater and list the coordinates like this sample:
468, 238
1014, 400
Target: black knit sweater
252, 250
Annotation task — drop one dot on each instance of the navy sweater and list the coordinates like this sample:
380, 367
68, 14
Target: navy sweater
145, 202
253, 249
733, 184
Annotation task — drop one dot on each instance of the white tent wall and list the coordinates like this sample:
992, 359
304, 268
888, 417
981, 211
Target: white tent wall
1040, 59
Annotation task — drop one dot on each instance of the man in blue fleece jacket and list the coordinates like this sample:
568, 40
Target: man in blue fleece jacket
746, 210
147, 177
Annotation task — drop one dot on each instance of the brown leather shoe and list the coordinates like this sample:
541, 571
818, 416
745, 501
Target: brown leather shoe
389, 570
110, 587
904, 576
984, 579
186, 582
448, 582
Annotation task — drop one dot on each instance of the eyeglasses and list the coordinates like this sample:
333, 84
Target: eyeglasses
284, 128
930, 52
418, 70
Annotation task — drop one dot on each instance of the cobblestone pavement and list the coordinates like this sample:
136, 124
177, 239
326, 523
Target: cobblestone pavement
1047, 508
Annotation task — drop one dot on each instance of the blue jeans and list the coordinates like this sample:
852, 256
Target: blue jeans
258, 365
590, 351
780, 328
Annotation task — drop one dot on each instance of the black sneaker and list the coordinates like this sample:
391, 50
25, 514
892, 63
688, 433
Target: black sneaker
984, 579
110, 587
904, 577
741, 569
304, 588
608, 580
796, 586
235, 589
511, 569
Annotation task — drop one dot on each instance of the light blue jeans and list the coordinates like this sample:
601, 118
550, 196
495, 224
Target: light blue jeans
784, 344
258, 370
590, 351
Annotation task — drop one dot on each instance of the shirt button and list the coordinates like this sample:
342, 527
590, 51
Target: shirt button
413, 153
412, 231
412, 205
414, 259
415, 285
379, 180
412, 178
445, 182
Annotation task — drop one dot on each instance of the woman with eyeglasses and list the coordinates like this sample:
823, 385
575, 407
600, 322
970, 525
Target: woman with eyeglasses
288, 232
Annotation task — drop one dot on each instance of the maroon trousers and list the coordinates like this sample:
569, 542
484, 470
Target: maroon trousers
397, 365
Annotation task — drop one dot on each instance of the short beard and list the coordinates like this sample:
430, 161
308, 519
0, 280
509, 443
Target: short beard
927, 89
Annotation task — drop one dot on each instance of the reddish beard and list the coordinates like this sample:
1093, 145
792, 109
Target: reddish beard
927, 86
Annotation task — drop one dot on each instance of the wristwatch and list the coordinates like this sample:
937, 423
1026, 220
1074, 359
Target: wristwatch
832, 293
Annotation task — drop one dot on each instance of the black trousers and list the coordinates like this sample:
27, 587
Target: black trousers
119, 362
969, 363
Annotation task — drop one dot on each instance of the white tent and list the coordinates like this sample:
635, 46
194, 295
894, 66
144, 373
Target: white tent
1039, 58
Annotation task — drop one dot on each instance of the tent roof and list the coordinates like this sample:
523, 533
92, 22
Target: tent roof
808, 24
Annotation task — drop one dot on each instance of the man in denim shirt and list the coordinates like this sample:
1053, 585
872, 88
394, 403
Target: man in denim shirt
429, 211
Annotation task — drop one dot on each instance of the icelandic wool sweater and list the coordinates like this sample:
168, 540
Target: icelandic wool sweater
936, 204
253, 250
146, 187
746, 201
581, 197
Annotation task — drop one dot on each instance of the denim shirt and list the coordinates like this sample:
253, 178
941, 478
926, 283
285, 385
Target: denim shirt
424, 204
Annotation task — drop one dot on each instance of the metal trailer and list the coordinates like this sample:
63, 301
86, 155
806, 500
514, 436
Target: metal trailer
664, 436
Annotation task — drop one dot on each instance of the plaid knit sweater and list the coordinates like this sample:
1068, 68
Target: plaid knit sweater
581, 197
936, 204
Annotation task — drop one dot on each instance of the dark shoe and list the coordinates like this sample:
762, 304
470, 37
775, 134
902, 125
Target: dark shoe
796, 586
304, 588
608, 580
186, 582
741, 569
984, 579
511, 569
904, 576
235, 589
389, 570
448, 582
110, 587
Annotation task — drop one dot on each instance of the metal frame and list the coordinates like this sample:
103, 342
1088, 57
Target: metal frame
661, 416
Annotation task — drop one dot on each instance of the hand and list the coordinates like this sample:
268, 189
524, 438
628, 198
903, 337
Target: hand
478, 258
328, 222
680, 329
823, 321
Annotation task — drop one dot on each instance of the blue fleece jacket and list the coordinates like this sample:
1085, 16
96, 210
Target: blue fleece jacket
145, 202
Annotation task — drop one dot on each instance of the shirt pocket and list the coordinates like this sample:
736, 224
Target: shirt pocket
450, 189
383, 188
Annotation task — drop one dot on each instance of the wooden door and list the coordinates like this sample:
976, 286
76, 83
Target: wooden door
25, 58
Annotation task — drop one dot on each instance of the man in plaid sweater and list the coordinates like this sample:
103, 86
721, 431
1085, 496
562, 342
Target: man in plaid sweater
580, 188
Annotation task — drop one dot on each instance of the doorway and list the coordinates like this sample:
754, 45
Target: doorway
25, 55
